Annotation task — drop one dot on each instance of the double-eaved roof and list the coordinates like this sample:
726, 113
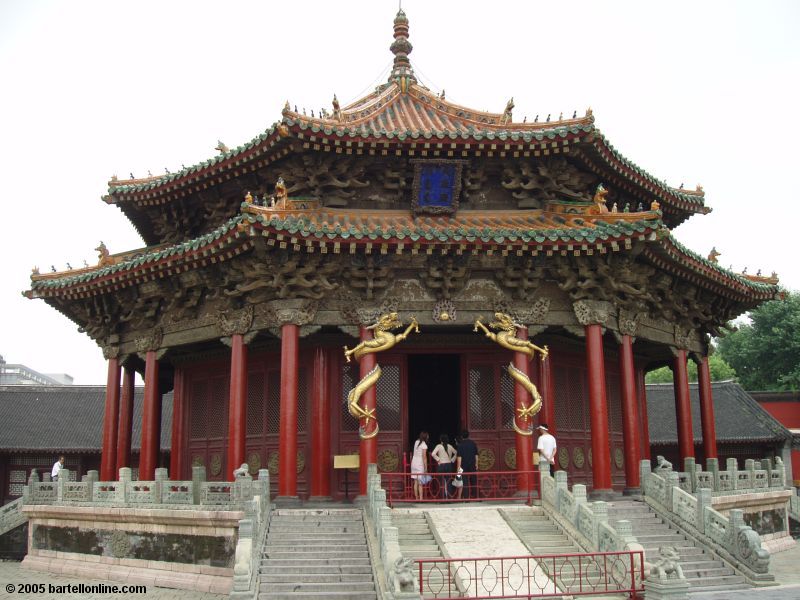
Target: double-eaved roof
403, 118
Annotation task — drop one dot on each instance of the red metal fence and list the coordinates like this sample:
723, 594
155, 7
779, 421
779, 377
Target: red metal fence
480, 486
544, 576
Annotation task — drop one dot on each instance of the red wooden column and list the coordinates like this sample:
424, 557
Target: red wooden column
368, 451
598, 410
178, 447
287, 453
707, 409
683, 407
108, 456
523, 443
125, 420
151, 419
645, 430
630, 414
237, 407
548, 390
320, 426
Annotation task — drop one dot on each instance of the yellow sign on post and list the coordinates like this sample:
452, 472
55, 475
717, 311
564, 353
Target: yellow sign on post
345, 461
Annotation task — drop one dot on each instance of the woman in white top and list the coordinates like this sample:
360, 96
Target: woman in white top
419, 465
444, 455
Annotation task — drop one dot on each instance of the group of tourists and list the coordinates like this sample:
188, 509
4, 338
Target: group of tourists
455, 466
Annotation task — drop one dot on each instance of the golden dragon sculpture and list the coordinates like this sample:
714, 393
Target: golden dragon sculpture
383, 339
507, 339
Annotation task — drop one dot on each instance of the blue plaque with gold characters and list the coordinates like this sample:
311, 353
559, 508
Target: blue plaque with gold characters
437, 185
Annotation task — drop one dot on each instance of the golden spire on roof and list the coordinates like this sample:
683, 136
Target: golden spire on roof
402, 72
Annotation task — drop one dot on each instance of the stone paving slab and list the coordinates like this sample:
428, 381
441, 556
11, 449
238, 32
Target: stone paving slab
11, 573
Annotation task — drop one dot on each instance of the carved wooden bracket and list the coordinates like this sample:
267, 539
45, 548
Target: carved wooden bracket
235, 322
151, 342
110, 352
683, 336
592, 312
296, 311
628, 322
536, 313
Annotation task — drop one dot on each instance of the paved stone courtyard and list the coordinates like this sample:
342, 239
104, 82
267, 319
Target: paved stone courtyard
11, 574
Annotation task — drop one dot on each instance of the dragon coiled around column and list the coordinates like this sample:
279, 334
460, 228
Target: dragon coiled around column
383, 340
506, 337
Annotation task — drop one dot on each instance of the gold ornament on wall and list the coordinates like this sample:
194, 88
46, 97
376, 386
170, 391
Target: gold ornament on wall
254, 462
578, 458
563, 457
486, 459
510, 458
216, 464
388, 461
619, 458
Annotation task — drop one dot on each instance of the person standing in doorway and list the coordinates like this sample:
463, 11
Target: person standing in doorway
419, 465
59, 464
547, 447
444, 455
467, 459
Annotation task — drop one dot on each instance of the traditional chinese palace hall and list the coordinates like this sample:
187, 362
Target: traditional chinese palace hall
439, 237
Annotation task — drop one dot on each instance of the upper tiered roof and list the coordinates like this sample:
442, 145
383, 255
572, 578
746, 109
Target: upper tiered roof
404, 118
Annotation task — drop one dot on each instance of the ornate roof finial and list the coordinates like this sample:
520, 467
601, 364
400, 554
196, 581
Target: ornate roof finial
402, 72
337, 111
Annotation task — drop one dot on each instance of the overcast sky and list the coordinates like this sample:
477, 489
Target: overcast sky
693, 92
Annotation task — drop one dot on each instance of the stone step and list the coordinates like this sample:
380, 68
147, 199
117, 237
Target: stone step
303, 538
306, 595
716, 571
291, 567
296, 586
704, 582
336, 562
322, 527
660, 536
318, 512
312, 578
410, 535
685, 552
292, 552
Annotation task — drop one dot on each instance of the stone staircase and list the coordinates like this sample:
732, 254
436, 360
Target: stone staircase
542, 536
703, 571
316, 554
414, 536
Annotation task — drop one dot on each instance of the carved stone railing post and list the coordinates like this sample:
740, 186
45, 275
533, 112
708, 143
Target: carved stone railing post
690, 467
561, 487
732, 466
91, 478
712, 466
198, 478
63, 479
703, 502
672, 483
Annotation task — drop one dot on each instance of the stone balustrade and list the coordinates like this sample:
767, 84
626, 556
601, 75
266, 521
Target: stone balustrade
252, 535
727, 536
380, 516
794, 505
11, 516
756, 476
586, 522
160, 491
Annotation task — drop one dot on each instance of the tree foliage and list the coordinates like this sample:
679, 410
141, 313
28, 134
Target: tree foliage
720, 371
766, 352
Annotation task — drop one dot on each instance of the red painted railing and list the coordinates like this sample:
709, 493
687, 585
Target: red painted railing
480, 486
544, 576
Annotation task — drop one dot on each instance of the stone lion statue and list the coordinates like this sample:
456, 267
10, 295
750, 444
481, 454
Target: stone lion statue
403, 574
241, 471
666, 566
662, 464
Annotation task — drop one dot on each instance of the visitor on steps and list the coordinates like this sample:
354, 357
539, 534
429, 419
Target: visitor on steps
419, 465
444, 455
547, 447
467, 460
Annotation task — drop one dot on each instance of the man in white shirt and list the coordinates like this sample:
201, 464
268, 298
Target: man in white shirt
547, 447
57, 468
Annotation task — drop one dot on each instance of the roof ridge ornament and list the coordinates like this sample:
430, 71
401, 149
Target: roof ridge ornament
402, 72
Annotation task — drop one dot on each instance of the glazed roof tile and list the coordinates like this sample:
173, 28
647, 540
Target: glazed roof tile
66, 418
737, 416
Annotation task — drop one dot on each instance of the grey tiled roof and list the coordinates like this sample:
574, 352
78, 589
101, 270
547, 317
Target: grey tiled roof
737, 416
65, 418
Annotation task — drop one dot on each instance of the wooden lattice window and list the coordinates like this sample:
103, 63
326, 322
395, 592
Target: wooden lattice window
507, 399
388, 390
614, 400
273, 401
349, 379
218, 408
302, 399
481, 397
255, 403
199, 410
570, 386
